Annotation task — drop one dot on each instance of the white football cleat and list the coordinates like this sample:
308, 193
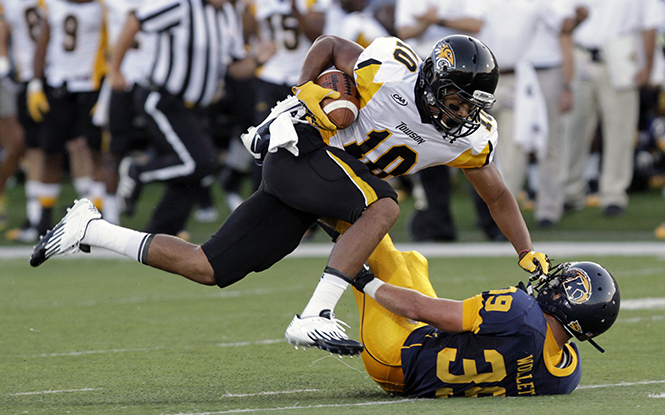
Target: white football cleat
65, 237
324, 332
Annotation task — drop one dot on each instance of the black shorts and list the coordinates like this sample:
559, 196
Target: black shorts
128, 124
70, 117
321, 181
32, 130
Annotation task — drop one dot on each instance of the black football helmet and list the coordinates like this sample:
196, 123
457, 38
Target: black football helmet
583, 296
457, 65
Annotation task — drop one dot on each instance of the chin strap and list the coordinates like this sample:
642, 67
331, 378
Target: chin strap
594, 344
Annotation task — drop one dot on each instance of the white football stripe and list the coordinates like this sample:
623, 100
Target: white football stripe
341, 104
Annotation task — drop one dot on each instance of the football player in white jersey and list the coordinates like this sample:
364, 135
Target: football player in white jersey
413, 114
121, 114
21, 20
292, 26
71, 56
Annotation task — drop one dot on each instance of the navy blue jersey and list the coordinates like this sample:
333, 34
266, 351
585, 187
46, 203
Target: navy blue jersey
508, 350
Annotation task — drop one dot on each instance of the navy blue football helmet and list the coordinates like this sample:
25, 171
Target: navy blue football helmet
457, 65
583, 296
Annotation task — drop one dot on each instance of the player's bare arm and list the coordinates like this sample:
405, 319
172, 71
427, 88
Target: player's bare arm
326, 52
39, 62
125, 41
502, 205
441, 313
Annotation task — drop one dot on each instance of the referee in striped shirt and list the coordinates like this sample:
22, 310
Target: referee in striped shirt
198, 41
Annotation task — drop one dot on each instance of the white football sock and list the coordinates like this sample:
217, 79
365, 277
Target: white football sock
110, 209
82, 185
128, 242
33, 209
326, 295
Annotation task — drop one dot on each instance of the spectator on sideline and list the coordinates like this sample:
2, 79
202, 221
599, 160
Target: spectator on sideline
510, 40
291, 26
605, 90
421, 24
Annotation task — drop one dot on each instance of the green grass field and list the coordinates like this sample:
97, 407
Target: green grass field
103, 336
84, 336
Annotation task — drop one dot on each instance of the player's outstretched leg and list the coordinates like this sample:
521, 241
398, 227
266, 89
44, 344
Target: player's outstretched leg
65, 237
324, 332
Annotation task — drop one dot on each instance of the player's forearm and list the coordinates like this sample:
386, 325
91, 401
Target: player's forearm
649, 41
502, 204
506, 213
408, 32
441, 313
39, 61
469, 24
125, 41
4, 38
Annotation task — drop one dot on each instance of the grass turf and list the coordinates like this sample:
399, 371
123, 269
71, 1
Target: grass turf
84, 336
89, 336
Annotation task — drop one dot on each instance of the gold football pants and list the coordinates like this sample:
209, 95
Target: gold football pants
382, 332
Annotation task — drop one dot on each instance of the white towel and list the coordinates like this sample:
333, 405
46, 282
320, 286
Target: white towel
531, 126
283, 134
100, 117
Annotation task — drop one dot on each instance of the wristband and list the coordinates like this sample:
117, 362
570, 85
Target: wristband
372, 286
5, 66
35, 85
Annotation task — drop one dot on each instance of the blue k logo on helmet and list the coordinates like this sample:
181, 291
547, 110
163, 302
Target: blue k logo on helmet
577, 286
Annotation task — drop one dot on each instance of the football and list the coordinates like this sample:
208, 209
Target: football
343, 110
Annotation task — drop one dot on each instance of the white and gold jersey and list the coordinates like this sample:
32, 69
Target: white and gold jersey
389, 134
276, 22
24, 18
139, 59
77, 45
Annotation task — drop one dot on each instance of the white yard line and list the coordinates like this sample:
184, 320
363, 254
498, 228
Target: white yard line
612, 385
244, 395
376, 403
259, 342
56, 391
291, 408
643, 304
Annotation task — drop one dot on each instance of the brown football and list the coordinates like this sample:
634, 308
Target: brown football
343, 110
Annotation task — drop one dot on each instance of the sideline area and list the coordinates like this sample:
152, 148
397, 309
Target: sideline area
436, 250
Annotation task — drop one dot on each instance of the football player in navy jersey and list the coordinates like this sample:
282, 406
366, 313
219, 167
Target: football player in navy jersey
498, 343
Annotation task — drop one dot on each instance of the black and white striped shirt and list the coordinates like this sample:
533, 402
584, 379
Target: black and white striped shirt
196, 44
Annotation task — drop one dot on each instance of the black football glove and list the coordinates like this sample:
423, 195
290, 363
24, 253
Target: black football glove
362, 278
